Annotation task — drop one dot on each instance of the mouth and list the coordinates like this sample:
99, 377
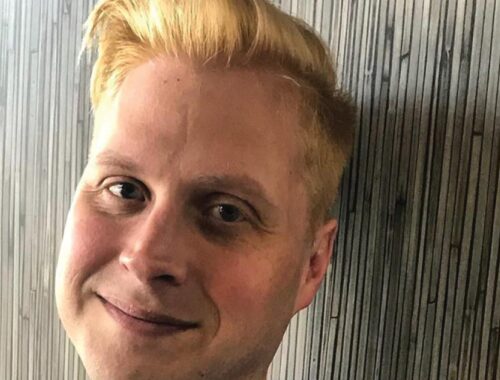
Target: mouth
143, 322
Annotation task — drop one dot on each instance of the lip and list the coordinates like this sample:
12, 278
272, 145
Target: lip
144, 322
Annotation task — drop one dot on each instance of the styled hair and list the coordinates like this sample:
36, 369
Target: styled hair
244, 33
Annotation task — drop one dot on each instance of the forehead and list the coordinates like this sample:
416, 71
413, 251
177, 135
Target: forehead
243, 109
167, 93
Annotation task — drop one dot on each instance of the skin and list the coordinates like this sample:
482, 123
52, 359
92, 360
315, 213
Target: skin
163, 244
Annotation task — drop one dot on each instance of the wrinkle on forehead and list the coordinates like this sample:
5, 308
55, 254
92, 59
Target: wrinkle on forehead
140, 84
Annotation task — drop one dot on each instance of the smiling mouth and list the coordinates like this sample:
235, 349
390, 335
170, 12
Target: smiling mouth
142, 322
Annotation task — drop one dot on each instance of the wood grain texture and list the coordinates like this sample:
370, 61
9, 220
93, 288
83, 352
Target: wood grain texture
413, 291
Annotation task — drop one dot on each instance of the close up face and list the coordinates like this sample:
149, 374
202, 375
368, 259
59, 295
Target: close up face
183, 254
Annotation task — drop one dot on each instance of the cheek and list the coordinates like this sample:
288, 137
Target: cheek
87, 246
256, 287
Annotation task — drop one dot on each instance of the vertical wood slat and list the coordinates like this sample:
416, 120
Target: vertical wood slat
413, 290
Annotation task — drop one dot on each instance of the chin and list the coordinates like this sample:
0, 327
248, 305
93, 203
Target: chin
104, 364
109, 353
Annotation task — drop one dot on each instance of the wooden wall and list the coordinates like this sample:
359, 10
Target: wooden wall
413, 291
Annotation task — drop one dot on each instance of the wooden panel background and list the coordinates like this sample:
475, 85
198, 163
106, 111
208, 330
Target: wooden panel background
414, 288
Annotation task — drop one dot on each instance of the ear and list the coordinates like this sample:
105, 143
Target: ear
316, 264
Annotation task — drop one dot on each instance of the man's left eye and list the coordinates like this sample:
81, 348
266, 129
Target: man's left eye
127, 190
227, 213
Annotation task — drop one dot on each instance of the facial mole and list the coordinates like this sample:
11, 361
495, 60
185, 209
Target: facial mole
164, 81
178, 80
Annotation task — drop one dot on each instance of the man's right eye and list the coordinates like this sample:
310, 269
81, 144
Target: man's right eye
127, 190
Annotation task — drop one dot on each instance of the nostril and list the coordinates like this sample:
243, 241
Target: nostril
167, 278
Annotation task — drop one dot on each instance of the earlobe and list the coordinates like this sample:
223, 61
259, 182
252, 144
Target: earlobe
317, 264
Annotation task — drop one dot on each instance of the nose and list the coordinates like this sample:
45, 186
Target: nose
152, 251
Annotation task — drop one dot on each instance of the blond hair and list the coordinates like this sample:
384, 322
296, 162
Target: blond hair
244, 33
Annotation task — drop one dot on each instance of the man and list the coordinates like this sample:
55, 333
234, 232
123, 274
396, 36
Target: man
200, 224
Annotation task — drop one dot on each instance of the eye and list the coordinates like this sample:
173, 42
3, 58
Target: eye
228, 213
127, 190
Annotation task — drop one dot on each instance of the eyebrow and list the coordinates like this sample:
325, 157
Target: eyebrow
111, 158
233, 182
236, 183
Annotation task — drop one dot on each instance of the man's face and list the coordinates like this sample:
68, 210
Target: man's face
190, 207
